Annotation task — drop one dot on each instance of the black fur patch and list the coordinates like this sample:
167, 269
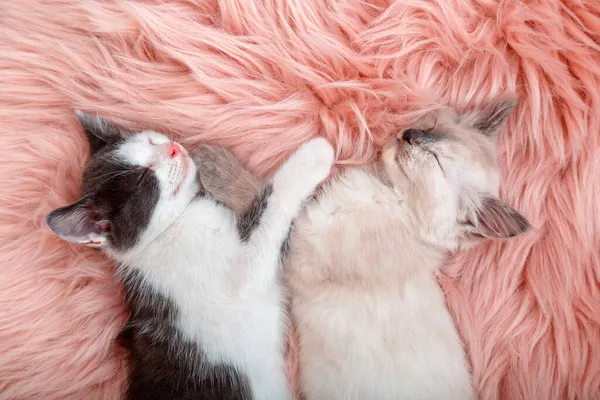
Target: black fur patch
163, 365
122, 194
248, 222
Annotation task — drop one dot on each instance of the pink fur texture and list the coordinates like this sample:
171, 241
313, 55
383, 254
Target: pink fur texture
262, 76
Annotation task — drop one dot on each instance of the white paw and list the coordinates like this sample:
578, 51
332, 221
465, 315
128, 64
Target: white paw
307, 167
314, 158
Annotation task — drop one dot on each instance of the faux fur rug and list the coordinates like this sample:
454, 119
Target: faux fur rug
261, 76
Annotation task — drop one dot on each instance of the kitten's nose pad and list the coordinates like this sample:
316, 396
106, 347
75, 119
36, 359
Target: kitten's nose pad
414, 136
174, 150
170, 150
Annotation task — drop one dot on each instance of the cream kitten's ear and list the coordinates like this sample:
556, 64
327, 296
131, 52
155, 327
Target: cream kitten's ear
489, 120
494, 219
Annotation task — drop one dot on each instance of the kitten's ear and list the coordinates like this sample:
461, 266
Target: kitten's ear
494, 219
98, 131
489, 120
75, 223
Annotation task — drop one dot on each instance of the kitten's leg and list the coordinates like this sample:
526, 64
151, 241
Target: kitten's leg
265, 226
225, 178
263, 230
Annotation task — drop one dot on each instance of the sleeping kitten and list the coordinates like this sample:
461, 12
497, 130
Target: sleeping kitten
207, 319
371, 319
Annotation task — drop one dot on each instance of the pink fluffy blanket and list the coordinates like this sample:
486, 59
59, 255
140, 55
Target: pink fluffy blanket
261, 76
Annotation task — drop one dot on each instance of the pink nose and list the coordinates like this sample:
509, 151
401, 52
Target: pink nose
174, 150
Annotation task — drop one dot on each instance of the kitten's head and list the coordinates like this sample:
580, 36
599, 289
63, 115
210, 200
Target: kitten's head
446, 172
134, 187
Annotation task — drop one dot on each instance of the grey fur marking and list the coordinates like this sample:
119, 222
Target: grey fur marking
250, 220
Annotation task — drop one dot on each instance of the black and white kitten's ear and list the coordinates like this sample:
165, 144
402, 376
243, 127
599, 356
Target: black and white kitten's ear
495, 219
77, 223
489, 120
98, 131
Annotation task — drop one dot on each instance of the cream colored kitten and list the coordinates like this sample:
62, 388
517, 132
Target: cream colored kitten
371, 318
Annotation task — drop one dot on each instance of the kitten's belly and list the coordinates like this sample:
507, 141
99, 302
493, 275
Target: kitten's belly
247, 332
379, 344
230, 326
238, 326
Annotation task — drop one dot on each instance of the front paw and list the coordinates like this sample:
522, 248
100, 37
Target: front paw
317, 157
307, 167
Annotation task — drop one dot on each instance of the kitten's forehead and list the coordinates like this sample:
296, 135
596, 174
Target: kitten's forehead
140, 149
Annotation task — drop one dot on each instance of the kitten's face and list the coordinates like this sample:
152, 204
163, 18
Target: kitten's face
446, 172
134, 187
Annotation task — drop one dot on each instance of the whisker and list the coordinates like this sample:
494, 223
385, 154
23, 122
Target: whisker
114, 175
142, 175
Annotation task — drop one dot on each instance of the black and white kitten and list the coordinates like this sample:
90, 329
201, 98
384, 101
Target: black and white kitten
207, 308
